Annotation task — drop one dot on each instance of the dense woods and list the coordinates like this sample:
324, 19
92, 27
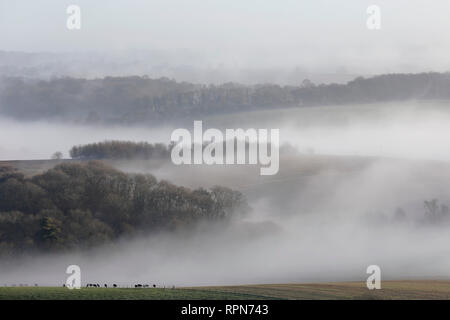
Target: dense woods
121, 150
140, 99
82, 205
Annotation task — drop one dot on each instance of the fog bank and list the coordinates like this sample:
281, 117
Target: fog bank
350, 195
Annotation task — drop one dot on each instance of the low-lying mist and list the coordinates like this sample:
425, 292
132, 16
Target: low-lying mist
326, 227
404, 129
350, 193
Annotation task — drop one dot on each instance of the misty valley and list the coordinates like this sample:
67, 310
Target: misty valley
202, 151
358, 184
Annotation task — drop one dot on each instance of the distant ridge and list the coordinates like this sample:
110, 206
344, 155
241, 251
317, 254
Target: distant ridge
129, 100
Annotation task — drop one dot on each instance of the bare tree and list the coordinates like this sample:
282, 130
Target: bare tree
57, 155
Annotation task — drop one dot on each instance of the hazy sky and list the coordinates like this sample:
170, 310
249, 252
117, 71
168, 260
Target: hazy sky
324, 35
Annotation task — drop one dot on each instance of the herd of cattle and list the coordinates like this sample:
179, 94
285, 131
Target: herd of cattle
96, 285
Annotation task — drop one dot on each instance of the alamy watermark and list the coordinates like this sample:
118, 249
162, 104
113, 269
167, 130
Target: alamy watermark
74, 18
374, 280
74, 280
236, 146
374, 20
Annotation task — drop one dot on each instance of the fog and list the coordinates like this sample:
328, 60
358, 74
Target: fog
350, 193
309, 251
412, 130
228, 40
39, 140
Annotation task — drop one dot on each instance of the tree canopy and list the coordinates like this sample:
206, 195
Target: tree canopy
140, 99
86, 204
121, 150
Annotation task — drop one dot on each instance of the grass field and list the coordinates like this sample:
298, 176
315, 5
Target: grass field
54, 293
346, 290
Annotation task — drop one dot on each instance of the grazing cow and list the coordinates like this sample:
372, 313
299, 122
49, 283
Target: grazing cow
154, 286
106, 286
138, 285
115, 285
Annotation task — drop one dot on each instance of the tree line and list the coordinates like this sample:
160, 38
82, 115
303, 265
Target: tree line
140, 99
87, 204
130, 150
121, 150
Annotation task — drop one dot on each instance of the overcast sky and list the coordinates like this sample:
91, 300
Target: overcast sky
325, 35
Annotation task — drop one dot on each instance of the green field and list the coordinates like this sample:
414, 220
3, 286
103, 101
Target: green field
344, 290
54, 293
